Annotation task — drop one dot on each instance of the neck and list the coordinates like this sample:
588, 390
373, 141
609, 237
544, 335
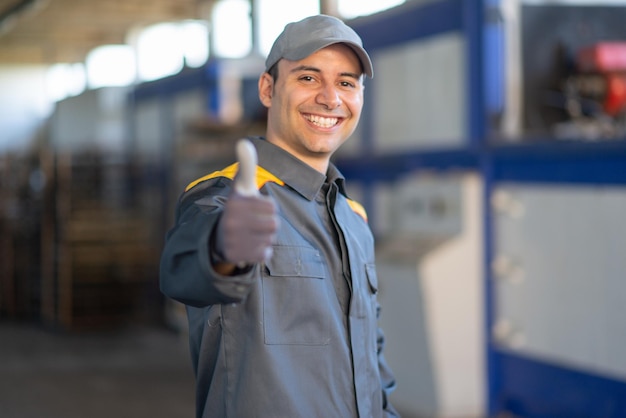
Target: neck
318, 162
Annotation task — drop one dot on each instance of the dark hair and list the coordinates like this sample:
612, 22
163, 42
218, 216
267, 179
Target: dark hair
273, 72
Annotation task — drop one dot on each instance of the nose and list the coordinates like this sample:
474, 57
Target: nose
329, 97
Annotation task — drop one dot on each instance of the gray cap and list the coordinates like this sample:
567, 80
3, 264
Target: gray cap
300, 39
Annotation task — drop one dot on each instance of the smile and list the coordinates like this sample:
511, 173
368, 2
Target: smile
321, 121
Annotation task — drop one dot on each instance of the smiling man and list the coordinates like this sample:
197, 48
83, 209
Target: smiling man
281, 287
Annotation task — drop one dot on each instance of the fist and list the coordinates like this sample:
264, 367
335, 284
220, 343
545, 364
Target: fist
247, 229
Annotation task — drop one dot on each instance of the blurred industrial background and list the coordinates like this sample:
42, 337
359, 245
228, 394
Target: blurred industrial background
491, 158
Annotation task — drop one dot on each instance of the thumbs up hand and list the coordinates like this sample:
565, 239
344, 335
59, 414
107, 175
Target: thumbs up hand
249, 223
245, 182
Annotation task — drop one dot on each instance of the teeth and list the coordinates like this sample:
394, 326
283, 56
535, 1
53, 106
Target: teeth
322, 121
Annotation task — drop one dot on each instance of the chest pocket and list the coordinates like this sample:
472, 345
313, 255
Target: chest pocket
296, 297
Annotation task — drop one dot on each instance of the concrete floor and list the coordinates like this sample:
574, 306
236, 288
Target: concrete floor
134, 372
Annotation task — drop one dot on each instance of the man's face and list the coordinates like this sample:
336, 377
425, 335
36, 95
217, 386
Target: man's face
315, 103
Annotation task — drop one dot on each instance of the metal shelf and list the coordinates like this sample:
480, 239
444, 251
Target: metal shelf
518, 385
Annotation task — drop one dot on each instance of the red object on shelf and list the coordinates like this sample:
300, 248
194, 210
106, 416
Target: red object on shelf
603, 57
615, 99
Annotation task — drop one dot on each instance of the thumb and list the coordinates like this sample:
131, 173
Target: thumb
245, 182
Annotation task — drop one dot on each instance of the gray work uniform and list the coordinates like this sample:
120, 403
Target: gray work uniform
296, 336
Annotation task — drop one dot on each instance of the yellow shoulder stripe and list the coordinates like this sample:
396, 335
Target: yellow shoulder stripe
262, 176
358, 209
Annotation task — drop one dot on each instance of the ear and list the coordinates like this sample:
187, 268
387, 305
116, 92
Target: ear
266, 88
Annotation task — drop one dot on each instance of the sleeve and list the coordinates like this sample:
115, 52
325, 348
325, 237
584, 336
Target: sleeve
388, 382
186, 274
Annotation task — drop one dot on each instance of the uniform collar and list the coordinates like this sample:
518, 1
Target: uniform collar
296, 174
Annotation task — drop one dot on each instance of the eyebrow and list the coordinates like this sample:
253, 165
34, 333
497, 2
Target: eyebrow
317, 70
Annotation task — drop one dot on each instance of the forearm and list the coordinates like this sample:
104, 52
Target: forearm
186, 272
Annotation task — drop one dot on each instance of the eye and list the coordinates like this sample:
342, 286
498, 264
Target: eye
306, 78
347, 84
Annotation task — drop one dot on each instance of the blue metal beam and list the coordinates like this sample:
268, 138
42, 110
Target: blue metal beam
408, 23
561, 162
390, 167
540, 389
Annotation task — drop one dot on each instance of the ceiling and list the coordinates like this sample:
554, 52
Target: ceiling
54, 31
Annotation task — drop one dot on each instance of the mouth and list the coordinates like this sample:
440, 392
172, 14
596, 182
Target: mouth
322, 121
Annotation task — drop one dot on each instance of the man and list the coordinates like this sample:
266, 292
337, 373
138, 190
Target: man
280, 288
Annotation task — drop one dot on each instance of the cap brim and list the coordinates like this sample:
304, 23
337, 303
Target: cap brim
315, 46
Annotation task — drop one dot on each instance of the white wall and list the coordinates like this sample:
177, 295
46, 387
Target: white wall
96, 119
560, 271
419, 94
23, 105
